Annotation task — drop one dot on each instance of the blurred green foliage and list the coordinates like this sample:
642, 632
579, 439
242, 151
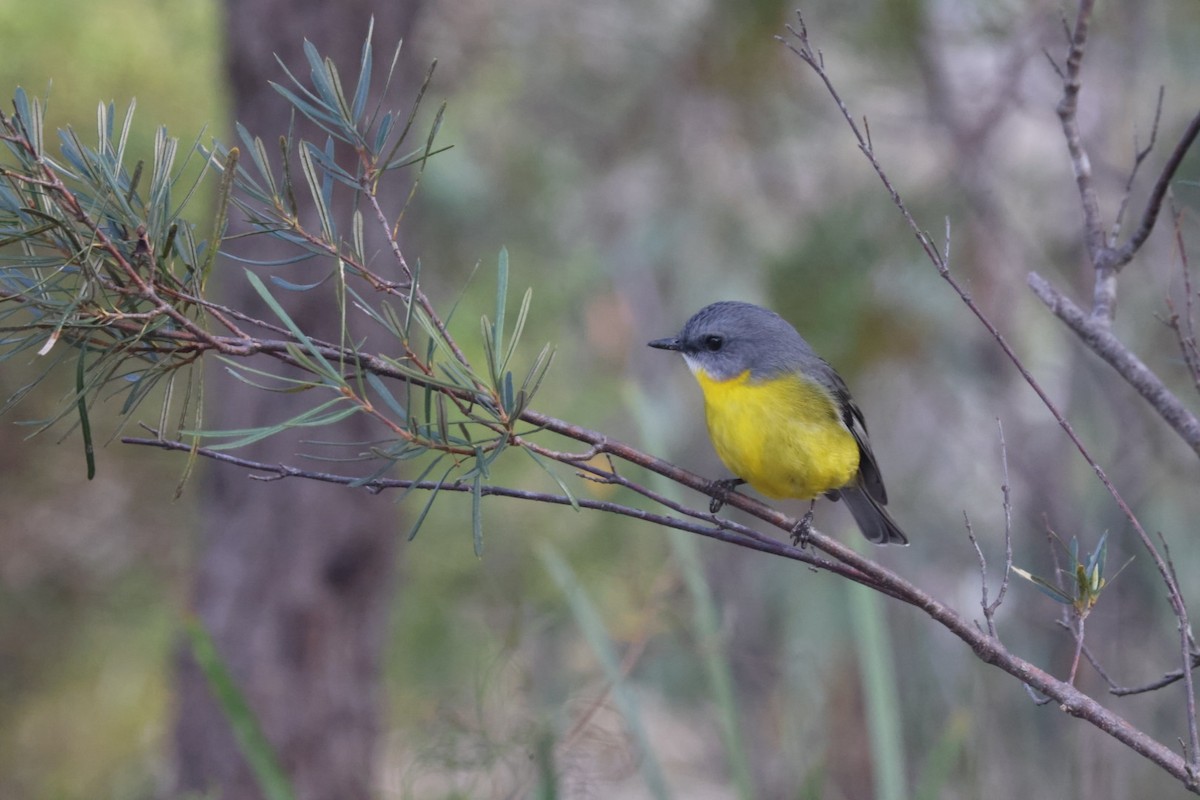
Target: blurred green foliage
639, 160
92, 575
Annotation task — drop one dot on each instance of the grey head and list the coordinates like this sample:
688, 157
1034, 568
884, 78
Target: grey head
728, 338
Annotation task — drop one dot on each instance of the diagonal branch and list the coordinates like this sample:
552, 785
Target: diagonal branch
1154, 204
986, 647
1099, 339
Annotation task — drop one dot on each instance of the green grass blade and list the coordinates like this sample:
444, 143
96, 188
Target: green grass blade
944, 757
878, 672
259, 754
597, 636
706, 619
708, 630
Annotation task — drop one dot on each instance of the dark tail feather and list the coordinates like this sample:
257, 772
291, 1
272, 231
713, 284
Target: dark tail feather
872, 518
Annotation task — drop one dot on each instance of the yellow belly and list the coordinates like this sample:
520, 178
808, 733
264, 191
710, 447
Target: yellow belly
784, 437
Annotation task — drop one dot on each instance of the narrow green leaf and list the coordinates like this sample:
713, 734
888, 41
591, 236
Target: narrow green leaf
1095, 564
1046, 588
104, 112
443, 423
501, 302
433, 493
518, 329
319, 74
343, 106
488, 335
258, 154
314, 186
541, 365
125, 128
364, 75
317, 417
220, 217
85, 425
329, 373
357, 238
506, 394
322, 119
412, 452
412, 113
553, 476
388, 398
131, 192
477, 514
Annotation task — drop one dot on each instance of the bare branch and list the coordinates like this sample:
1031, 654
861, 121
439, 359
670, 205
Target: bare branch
1100, 340
986, 647
1125, 254
1185, 330
1068, 108
1166, 680
990, 608
1006, 489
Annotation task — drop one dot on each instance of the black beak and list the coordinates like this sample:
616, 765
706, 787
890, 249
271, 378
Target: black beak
672, 343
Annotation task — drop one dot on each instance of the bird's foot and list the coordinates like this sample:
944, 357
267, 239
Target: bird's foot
803, 529
722, 489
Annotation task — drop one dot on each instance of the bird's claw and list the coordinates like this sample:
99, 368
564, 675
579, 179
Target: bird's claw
722, 489
803, 529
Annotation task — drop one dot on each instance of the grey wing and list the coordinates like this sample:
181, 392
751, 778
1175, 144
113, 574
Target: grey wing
868, 467
852, 416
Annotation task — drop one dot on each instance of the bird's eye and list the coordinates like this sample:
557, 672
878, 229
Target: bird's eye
713, 343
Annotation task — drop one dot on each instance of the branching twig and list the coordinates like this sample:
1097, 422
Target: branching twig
1106, 255
990, 608
1153, 686
1185, 331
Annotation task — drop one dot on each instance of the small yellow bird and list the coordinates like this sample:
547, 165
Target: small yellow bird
779, 417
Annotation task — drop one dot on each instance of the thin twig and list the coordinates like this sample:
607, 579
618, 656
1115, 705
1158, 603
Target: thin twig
1166, 680
1139, 155
1158, 194
1186, 648
1006, 490
988, 611
1077, 633
1185, 333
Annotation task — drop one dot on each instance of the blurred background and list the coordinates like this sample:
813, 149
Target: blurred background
639, 160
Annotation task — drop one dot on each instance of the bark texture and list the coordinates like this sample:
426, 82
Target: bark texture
294, 580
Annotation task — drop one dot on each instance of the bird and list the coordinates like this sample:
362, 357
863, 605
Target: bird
779, 416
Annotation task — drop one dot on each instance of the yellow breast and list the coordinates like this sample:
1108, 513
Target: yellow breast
785, 437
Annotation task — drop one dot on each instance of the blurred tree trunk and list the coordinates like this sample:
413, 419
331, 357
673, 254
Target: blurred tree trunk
294, 579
